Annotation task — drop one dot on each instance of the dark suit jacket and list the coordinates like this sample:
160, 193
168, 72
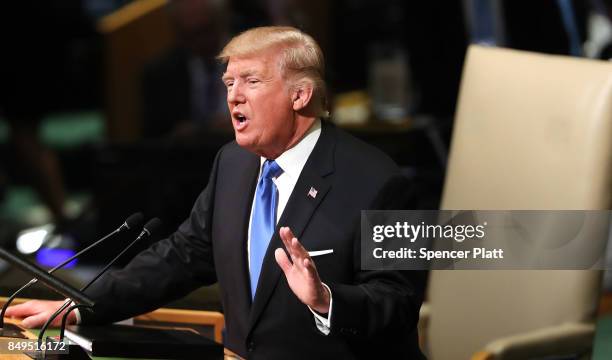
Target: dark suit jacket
374, 312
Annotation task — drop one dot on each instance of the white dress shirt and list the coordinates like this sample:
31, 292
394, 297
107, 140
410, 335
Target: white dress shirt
292, 162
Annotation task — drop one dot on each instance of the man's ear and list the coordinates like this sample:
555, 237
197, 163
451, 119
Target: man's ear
301, 95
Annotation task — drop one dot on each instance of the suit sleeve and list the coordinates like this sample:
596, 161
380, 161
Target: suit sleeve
166, 271
379, 303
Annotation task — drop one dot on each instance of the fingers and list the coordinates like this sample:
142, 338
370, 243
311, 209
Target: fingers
295, 249
311, 269
36, 321
286, 235
282, 260
17, 310
24, 310
298, 248
297, 252
35, 313
299, 255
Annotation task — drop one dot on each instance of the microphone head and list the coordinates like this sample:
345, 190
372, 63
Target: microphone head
152, 226
134, 220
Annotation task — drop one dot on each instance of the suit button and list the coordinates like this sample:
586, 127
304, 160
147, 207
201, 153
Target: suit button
251, 346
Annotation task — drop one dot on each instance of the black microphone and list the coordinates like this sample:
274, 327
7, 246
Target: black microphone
151, 227
131, 222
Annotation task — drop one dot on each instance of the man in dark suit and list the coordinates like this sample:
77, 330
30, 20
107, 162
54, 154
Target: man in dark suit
278, 224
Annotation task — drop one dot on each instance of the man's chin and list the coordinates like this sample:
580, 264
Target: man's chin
245, 142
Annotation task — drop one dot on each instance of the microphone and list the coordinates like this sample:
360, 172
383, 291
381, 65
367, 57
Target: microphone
151, 227
131, 222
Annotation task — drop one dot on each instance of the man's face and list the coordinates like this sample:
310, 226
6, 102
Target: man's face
260, 104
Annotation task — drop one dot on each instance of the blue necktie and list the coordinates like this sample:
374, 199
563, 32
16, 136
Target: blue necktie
263, 220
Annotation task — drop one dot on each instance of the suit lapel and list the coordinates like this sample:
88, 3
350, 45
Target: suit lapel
300, 207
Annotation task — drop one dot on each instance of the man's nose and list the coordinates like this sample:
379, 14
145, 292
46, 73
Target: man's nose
235, 95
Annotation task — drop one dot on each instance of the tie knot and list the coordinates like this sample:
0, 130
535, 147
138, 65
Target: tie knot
270, 169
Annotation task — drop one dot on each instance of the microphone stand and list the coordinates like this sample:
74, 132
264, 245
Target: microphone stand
147, 230
74, 352
131, 221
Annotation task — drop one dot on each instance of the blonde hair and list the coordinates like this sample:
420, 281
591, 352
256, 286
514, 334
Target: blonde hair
301, 58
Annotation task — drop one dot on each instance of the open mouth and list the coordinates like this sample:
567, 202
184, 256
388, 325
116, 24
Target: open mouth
240, 121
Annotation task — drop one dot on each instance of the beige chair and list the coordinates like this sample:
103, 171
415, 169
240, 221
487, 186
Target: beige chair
532, 132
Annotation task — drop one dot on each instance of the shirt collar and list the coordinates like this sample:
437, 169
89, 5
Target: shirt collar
293, 160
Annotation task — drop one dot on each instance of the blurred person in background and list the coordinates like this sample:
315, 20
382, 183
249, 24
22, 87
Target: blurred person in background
182, 94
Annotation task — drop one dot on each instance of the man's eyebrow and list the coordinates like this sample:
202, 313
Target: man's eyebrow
243, 74
250, 72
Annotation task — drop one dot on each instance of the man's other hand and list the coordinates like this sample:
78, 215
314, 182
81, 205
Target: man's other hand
301, 273
35, 313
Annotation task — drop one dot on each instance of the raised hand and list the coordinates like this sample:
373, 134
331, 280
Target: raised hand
301, 273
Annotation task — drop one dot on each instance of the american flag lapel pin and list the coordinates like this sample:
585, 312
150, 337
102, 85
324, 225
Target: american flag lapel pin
312, 192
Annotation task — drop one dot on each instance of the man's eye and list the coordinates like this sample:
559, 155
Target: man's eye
253, 81
229, 84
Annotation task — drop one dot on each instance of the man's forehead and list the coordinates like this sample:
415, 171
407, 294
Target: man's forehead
259, 63
243, 72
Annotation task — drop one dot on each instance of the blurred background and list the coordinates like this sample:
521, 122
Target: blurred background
108, 107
